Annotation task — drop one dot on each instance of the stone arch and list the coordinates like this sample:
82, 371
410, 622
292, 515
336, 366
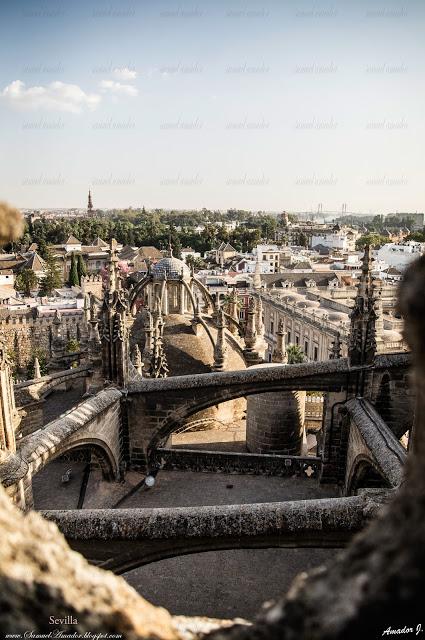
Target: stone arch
100, 449
364, 473
137, 290
134, 556
175, 420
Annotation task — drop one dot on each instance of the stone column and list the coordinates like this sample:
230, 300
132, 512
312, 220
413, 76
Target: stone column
279, 352
9, 417
137, 359
251, 355
220, 345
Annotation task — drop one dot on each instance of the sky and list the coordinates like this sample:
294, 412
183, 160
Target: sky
262, 105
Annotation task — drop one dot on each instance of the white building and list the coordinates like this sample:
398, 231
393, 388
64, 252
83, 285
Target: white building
269, 253
337, 238
399, 255
7, 278
188, 251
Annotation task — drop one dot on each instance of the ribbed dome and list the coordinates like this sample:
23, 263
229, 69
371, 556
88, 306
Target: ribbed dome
171, 267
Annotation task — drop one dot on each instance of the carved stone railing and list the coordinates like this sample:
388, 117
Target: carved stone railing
243, 463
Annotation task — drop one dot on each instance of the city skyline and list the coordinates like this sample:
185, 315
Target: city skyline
251, 106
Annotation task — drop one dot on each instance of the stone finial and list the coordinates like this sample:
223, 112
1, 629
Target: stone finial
250, 331
257, 274
259, 324
336, 348
113, 283
137, 359
37, 370
220, 347
280, 354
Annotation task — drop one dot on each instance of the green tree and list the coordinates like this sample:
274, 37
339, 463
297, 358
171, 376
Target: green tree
196, 263
26, 281
295, 354
72, 345
302, 240
417, 236
73, 280
39, 353
81, 268
175, 242
52, 278
371, 239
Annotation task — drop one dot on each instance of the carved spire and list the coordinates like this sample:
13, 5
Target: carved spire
148, 330
250, 332
114, 336
137, 359
362, 348
336, 352
280, 354
220, 347
86, 308
114, 283
259, 324
233, 311
159, 367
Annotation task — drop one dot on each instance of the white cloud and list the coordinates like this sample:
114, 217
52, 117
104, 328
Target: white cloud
56, 96
118, 88
124, 73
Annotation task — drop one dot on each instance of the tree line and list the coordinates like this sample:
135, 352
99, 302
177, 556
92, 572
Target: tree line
155, 228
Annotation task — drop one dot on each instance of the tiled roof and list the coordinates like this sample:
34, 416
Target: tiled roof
72, 240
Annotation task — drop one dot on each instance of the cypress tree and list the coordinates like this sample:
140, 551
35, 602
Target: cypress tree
73, 272
81, 268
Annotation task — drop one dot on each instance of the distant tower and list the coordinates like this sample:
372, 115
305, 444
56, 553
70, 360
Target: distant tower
89, 205
285, 219
257, 274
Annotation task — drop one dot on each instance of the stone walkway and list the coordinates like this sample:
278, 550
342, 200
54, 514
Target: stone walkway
172, 489
232, 438
59, 402
224, 584
48, 490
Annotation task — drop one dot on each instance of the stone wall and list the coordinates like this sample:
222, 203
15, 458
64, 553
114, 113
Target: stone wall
30, 395
22, 332
95, 423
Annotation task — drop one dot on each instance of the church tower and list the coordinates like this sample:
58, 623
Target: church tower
89, 205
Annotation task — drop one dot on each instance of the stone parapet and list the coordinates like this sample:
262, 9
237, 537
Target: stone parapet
238, 463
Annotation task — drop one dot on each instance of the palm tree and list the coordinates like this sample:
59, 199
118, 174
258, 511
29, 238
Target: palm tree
295, 354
